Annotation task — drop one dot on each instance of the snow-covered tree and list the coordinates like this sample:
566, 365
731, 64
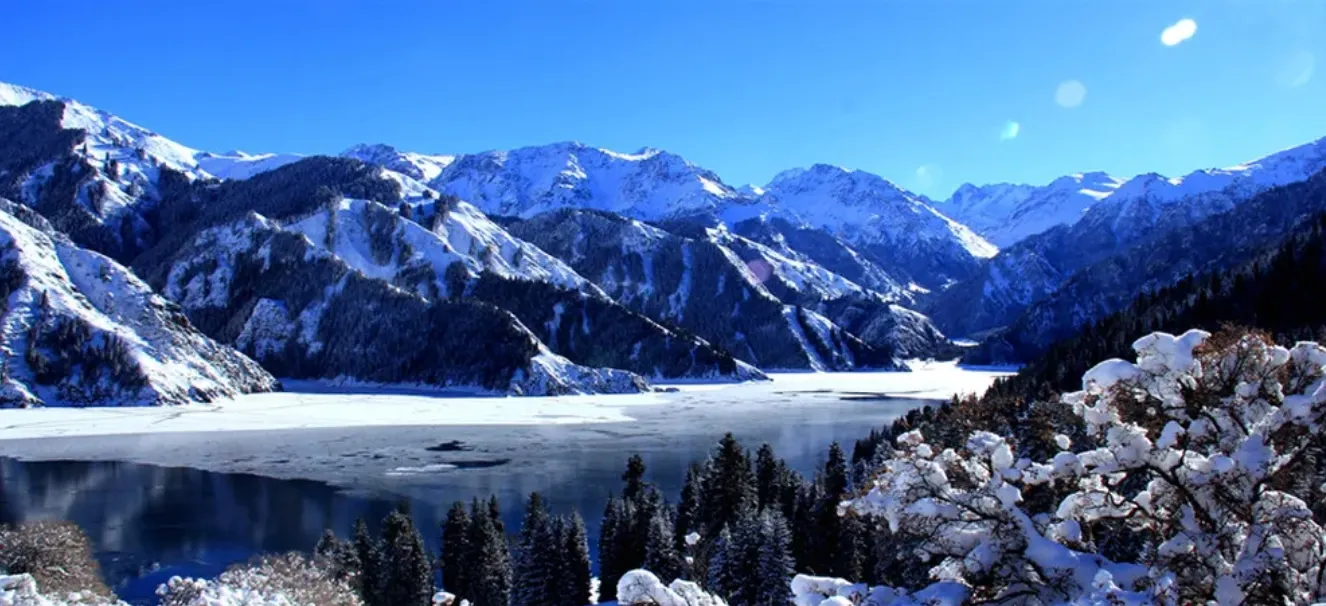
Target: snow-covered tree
408, 571
489, 557
534, 578
577, 583
455, 545
751, 564
728, 487
1197, 450
371, 572
616, 523
661, 556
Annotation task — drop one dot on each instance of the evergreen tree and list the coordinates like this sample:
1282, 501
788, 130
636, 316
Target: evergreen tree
766, 476
688, 510
723, 572
495, 513
489, 572
771, 583
804, 530
371, 576
833, 556
854, 559
661, 555
634, 476
752, 563
455, 547
615, 524
577, 582
337, 556
327, 545
728, 487
641, 510
533, 574
409, 575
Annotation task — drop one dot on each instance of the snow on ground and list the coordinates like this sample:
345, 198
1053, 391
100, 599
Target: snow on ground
313, 408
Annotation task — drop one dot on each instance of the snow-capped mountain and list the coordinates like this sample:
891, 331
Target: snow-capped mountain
303, 312
420, 167
239, 165
762, 306
138, 150
1006, 213
897, 229
649, 184
1220, 241
464, 255
82, 330
1138, 212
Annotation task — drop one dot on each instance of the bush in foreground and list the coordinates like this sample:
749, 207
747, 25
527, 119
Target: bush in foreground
58, 556
1192, 487
278, 580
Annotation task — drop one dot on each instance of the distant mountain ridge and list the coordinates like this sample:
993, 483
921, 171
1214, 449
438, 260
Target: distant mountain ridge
588, 269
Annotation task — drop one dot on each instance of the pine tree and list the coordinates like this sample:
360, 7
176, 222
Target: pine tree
370, 565
723, 573
766, 476
337, 556
832, 557
857, 555
804, 530
615, 524
729, 486
533, 574
641, 510
327, 545
773, 570
455, 547
495, 512
634, 476
661, 555
577, 582
688, 510
409, 576
489, 579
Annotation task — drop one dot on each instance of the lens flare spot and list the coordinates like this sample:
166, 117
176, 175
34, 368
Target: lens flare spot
1010, 131
760, 269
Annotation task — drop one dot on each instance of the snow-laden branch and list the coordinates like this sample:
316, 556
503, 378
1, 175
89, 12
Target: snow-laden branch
1201, 451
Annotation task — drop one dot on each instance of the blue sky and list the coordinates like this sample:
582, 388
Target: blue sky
922, 92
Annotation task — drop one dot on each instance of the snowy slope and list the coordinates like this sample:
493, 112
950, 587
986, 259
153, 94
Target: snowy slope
139, 150
239, 165
420, 167
1142, 212
725, 288
462, 254
304, 313
649, 184
899, 230
1006, 213
80, 329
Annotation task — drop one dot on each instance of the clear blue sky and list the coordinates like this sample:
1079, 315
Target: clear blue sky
744, 88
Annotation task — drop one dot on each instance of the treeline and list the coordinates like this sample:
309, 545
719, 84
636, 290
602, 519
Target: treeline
741, 526
1280, 292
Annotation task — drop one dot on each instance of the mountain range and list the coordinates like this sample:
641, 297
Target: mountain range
560, 268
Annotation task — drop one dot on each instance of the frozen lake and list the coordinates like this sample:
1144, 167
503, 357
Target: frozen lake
193, 490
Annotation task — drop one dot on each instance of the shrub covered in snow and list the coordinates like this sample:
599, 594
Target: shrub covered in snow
283, 580
639, 587
22, 590
1192, 486
58, 555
